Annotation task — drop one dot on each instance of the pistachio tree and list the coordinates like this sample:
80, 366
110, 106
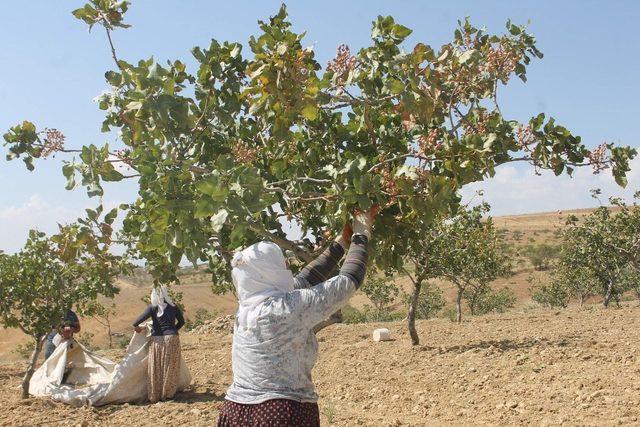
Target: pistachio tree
50, 275
603, 248
226, 152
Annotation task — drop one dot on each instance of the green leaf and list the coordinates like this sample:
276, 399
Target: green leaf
310, 112
206, 207
395, 86
111, 216
214, 187
400, 31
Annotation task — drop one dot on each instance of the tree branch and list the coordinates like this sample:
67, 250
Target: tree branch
282, 242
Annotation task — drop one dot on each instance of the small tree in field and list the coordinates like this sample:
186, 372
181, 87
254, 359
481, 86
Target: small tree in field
468, 253
580, 282
49, 276
381, 292
223, 152
484, 299
464, 249
103, 315
551, 295
598, 248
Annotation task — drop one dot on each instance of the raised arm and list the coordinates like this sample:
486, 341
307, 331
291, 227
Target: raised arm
322, 267
319, 301
355, 266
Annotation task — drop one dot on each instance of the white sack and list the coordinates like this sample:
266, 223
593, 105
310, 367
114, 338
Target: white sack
95, 380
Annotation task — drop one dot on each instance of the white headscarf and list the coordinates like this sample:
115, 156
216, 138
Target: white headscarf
160, 298
259, 272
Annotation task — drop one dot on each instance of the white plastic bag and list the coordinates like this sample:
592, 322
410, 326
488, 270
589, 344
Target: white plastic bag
57, 339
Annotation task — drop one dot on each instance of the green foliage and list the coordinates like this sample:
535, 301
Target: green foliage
201, 317
486, 300
123, 341
600, 251
24, 350
430, 302
52, 274
552, 295
578, 281
541, 256
106, 12
223, 151
380, 291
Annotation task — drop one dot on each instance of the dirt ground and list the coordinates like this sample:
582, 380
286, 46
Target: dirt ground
532, 367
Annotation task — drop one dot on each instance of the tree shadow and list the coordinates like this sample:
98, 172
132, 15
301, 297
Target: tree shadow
194, 396
507, 344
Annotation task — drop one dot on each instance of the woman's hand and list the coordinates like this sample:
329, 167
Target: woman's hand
138, 329
347, 232
67, 332
363, 221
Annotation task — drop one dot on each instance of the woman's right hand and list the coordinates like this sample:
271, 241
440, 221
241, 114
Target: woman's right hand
138, 329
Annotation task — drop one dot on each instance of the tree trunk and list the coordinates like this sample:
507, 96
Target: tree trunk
472, 302
582, 299
608, 294
335, 318
31, 367
459, 305
411, 316
109, 332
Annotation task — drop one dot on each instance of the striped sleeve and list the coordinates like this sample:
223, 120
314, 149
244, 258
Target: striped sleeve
320, 269
355, 266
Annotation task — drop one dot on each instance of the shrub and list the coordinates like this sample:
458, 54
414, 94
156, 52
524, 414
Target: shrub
123, 341
430, 302
201, 317
490, 301
540, 256
86, 339
552, 295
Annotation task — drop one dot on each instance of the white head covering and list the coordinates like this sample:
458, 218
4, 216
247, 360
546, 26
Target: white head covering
160, 298
259, 272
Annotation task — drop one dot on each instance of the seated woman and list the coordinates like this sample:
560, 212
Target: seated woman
69, 326
164, 349
274, 346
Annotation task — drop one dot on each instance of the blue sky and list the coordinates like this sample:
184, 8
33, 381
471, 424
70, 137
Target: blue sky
52, 69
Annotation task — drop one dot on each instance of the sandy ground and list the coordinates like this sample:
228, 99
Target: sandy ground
531, 367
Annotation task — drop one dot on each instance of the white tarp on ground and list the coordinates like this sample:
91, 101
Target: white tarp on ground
95, 380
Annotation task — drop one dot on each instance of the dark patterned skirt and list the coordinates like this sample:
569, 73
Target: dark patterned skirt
272, 413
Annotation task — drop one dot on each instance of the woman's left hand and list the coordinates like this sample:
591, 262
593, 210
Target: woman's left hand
347, 232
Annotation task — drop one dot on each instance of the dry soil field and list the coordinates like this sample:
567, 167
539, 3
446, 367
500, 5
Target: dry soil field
528, 366
536, 367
